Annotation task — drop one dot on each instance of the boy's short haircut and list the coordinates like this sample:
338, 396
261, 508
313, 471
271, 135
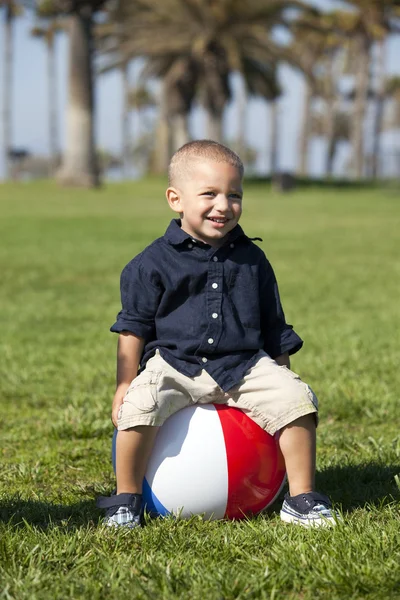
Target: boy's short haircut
202, 150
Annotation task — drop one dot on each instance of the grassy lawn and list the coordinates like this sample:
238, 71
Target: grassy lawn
336, 253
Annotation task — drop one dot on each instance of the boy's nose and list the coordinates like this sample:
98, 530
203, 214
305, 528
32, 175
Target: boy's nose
222, 203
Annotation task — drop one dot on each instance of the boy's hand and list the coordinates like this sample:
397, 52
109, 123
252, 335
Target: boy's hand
116, 405
130, 349
283, 360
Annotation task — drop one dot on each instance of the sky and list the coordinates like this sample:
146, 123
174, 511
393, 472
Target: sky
29, 89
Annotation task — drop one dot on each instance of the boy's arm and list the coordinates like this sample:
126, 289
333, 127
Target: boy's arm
283, 360
279, 337
129, 353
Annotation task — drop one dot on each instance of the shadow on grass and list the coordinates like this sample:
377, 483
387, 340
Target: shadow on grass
351, 486
17, 511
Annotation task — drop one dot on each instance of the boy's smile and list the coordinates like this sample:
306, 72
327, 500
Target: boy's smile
209, 200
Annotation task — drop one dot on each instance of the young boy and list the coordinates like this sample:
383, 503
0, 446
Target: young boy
202, 317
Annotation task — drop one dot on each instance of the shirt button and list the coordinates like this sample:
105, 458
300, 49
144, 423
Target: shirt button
214, 285
210, 340
231, 245
214, 315
190, 245
204, 359
215, 258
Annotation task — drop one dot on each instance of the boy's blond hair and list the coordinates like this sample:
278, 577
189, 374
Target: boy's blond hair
200, 150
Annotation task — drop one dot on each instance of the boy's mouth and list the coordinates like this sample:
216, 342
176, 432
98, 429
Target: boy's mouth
217, 220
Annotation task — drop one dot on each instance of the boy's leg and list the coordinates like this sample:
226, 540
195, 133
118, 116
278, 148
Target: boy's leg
133, 449
300, 466
277, 400
153, 396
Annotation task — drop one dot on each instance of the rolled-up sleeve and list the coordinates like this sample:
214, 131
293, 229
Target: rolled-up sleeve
140, 299
279, 336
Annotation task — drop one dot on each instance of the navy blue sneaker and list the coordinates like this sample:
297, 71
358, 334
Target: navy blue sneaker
122, 510
310, 510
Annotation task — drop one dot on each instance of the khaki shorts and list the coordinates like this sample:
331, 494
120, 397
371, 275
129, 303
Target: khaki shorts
270, 395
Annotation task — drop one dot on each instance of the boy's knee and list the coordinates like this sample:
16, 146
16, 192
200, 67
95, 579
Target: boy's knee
149, 401
308, 421
311, 395
137, 410
298, 389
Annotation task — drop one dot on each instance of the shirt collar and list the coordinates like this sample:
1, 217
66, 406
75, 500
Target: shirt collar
175, 234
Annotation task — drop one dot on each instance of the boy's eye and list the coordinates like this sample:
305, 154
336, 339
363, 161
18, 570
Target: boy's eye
208, 193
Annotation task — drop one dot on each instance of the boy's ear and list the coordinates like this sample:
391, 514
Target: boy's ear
174, 199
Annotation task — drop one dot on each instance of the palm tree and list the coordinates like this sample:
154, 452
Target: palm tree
140, 99
106, 33
79, 166
163, 138
372, 20
316, 44
11, 9
327, 89
360, 46
125, 119
261, 79
48, 31
179, 75
391, 120
341, 131
195, 45
392, 92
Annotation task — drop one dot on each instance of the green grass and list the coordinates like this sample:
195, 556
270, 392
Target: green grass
336, 255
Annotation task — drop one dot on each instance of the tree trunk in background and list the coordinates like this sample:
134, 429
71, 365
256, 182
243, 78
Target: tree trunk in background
125, 122
52, 108
214, 126
7, 89
162, 151
242, 101
305, 130
330, 135
79, 167
330, 155
180, 131
330, 115
379, 107
360, 104
273, 136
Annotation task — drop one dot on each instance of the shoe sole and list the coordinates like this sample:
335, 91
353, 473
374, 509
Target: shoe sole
114, 525
319, 522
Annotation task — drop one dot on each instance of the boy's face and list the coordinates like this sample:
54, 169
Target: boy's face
209, 200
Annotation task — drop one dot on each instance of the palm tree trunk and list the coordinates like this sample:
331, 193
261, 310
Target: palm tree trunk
241, 119
125, 121
163, 149
52, 108
330, 155
379, 107
214, 126
330, 136
180, 131
79, 166
330, 117
360, 104
305, 129
274, 128
7, 88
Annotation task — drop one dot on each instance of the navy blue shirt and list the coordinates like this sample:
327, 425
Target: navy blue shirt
204, 307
